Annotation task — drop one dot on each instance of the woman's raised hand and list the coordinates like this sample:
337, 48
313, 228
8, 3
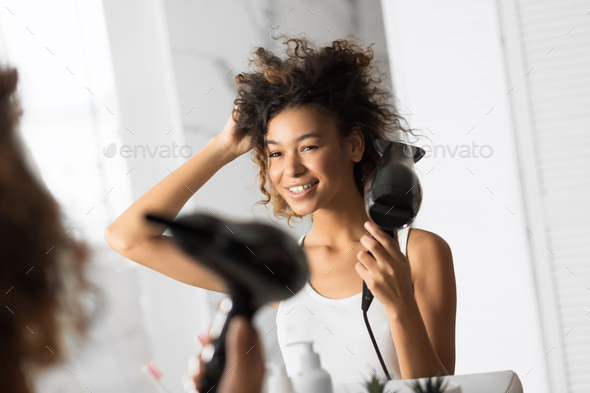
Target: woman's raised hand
233, 139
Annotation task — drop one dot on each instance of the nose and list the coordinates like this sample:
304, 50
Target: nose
293, 165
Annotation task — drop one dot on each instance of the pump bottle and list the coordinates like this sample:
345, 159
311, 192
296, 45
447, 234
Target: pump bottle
311, 378
278, 380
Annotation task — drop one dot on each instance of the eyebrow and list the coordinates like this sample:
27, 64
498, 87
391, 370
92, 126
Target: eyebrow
298, 139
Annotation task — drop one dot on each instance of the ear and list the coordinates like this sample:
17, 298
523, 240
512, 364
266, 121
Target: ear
356, 143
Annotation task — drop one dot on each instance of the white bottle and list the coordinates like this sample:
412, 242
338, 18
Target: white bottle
311, 378
278, 380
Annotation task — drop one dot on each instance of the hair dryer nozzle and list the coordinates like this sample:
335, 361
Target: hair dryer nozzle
415, 152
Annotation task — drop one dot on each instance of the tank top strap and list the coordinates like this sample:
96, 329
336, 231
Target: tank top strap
402, 236
300, 241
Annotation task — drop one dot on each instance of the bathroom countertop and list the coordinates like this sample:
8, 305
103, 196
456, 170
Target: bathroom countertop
492, 382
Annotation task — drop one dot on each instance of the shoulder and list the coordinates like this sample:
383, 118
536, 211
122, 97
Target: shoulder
421, 240
427, 251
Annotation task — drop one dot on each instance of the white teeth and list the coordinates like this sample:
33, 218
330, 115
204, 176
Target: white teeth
302, 188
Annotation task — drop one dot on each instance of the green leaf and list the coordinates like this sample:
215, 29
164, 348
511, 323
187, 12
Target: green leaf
430, 387
374, 385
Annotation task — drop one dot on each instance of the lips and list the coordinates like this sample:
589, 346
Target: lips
303, 193
302, 184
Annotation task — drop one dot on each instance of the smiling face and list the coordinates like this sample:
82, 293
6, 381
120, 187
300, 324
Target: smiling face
304, 147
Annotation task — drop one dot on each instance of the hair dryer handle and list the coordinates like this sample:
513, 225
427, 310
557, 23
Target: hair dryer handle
367, 297
367, 294
213, 354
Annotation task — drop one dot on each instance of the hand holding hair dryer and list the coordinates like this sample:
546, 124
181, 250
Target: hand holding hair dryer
392, 199
258, 262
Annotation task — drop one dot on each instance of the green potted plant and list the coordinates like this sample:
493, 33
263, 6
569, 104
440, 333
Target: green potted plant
430, 387
374, 385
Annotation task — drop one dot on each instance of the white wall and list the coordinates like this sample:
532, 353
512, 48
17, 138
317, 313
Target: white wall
150, 115
548, 63
449, 77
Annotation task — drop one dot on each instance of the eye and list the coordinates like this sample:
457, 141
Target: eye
273, 154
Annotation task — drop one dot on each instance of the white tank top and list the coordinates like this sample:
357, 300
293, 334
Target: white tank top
338, 332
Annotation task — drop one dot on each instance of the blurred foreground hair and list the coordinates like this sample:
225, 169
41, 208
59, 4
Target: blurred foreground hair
45, 294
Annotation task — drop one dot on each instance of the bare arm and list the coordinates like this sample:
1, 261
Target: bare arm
134, 237
424, 332
167, 197
436, 295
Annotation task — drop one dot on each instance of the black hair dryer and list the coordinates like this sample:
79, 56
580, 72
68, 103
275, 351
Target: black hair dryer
258, 263
392, 192
392, 199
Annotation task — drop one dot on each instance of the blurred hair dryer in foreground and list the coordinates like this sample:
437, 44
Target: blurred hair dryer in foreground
259, 263
392, 199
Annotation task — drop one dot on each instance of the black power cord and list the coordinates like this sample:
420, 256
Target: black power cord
367, 299
366, 303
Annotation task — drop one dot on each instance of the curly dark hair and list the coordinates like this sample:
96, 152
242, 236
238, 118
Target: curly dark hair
338, 80
41, 267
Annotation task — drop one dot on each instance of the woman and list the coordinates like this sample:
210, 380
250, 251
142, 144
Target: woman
311, 119
42, 274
